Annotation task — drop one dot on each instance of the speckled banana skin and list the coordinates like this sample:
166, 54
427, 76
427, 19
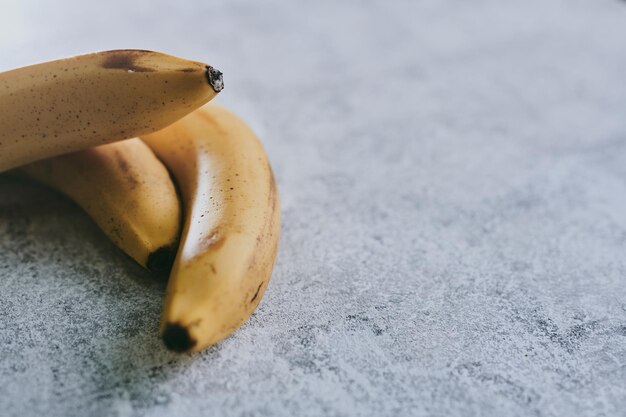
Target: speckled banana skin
127, 191
71, 104
231, 230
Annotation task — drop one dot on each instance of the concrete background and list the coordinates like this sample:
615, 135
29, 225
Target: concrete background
453, 178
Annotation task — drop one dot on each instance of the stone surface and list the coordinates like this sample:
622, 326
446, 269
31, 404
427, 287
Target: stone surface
453, 179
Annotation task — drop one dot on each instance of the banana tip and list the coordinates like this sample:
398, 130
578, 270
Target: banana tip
177, 338
161, 260
215, 78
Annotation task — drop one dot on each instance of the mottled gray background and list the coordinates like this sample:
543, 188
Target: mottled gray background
453, 179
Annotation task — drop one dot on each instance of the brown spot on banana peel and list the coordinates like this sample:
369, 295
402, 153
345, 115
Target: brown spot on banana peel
273, 191
125, 168
273, 199
125, 59
213, 241
256, 294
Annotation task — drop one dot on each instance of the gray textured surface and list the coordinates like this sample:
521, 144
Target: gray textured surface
453, 178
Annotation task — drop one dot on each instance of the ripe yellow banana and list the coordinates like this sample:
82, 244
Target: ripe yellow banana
231, 230
71, 104
127, 191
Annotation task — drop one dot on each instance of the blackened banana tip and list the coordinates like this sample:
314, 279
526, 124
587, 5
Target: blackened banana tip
215, 78
177, 338
160, 261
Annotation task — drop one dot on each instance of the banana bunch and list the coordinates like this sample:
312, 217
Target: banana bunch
182, 187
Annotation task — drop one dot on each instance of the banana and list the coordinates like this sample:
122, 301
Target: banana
71, 104
127, 191
230, 236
